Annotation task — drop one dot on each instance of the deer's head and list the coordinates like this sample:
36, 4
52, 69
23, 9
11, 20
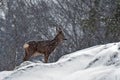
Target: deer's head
60, 35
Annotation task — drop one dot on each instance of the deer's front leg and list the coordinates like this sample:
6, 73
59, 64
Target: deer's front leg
46, 56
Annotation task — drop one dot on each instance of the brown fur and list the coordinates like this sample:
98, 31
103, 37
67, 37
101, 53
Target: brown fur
34, 48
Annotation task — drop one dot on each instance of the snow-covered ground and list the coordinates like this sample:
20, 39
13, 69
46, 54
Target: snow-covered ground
100, 62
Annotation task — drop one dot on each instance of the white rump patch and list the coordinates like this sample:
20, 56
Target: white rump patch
26, 45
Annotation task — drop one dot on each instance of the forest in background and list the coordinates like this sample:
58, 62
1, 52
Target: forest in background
85, 23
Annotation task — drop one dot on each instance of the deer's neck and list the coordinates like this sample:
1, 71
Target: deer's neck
56, 40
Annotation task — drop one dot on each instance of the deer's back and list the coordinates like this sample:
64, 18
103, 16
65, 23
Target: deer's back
46, 46
42, 46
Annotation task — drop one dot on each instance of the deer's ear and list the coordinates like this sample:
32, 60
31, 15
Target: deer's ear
58, 29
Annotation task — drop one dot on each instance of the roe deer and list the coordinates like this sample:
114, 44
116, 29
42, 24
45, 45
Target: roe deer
35, 48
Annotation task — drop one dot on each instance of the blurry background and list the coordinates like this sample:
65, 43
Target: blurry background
85, 23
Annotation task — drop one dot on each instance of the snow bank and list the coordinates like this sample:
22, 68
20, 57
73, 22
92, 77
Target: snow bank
100, 62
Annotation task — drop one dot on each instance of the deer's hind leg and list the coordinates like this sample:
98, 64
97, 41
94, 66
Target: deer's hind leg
46, 56
28, 54
26, 57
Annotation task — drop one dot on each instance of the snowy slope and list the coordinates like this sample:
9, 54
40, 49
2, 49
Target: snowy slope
100, 62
